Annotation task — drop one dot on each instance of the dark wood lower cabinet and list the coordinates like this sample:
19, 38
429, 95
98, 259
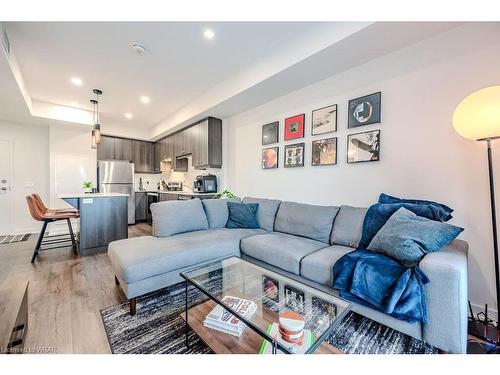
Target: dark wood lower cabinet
13, 316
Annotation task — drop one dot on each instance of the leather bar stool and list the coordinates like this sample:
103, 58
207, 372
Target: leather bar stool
41, 205
39, 212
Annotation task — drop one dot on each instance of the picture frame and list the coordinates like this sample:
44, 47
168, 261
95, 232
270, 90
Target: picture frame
294, 127
294, 155
320, 306
270, 292
363, 147
324, 151
270, 133
295, 299
270, 157
364, 110
324, 120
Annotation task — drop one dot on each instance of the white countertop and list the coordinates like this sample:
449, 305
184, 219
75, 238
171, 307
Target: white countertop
91, 195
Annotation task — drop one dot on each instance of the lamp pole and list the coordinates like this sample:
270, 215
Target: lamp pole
495, 235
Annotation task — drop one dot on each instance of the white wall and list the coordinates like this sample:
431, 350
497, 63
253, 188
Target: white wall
421, 154
30, 145
71, 161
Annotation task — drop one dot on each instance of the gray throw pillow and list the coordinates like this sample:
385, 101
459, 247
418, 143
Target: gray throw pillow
407, 237
173, 217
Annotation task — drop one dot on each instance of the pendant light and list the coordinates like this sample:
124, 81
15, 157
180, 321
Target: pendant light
97, 124
94, 138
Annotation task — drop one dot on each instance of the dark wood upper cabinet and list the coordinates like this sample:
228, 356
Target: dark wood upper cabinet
207, 144
181, 143
123, 149
142, 156
106, 148
202, 140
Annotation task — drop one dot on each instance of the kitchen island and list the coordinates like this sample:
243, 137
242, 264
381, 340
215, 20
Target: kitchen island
103, 219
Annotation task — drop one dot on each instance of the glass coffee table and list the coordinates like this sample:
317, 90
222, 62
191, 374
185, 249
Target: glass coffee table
273, 294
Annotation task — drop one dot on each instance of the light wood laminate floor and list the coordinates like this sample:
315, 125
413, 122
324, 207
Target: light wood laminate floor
66, 293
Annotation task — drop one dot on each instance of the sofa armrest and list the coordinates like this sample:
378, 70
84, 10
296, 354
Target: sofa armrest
446, 296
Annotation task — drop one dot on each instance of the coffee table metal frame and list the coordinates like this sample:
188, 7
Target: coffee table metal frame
275, 344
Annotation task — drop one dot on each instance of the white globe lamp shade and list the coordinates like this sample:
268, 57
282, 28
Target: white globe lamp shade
477, 117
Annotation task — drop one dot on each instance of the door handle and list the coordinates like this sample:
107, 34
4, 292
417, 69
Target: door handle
4, 181
4, 188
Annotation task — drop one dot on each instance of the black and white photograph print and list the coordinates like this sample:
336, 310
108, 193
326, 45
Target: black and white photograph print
270, 133
324, 120
294, 299
270, 293
324, 151
294, 155
364, 110
363, 147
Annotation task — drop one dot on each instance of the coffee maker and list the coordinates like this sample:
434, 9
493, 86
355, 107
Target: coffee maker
205, 184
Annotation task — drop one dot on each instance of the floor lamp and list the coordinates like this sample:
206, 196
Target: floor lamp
477, 117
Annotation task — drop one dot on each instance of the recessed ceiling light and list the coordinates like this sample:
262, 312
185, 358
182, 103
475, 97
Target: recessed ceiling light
209, 34
128, 115
76, 81
145, 99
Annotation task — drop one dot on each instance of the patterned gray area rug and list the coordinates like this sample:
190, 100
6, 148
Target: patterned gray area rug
158, 329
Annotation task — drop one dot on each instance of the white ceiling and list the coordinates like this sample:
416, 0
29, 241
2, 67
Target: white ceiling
178, 66
186, 76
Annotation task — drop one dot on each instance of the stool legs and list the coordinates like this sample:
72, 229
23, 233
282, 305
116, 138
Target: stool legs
39, 242
73, 241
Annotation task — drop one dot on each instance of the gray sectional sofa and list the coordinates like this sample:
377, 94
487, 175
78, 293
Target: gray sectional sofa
299, 240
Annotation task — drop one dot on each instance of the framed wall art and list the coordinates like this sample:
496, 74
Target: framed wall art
270, 133
294, 155
364, 110
270, 158
324, 120
294, 127
362, 147
324, 151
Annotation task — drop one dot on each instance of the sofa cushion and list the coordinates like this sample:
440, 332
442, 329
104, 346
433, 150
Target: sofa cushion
217, 212
242, 215
266, 214
306, 220
318, 266
280, 250
173, 217
135, 259
348, 226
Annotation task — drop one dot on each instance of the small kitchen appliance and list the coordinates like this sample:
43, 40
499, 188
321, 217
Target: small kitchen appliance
205, 184
174, 186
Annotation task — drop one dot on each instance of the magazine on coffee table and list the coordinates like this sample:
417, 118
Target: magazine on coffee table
273, 330
222, 320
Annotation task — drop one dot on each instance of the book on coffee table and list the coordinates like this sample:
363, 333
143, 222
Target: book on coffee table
222, 320
273, 331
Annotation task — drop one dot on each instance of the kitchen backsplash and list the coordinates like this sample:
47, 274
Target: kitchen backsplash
187, 178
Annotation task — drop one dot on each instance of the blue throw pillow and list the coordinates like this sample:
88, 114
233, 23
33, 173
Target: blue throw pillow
378, 214
443, 211
407, 237
242, 215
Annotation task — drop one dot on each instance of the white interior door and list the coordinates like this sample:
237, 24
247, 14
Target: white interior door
5, 186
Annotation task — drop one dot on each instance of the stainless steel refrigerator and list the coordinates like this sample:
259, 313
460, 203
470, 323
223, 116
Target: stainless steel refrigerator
118, 177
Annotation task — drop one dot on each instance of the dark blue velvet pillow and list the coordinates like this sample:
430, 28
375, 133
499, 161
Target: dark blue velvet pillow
242, 215
442, 211
379, 213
